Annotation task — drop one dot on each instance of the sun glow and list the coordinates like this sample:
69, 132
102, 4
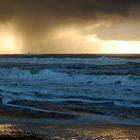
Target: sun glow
115, 47
122, 47
10, 41
84, 43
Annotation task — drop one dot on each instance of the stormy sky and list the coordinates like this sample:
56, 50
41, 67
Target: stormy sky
69, 26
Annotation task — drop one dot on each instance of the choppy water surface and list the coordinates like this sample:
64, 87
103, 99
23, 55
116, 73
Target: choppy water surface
71, 86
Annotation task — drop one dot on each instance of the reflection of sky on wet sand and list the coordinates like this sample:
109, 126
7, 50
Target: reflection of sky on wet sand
6, 129
106, 133
98, 132
101, 131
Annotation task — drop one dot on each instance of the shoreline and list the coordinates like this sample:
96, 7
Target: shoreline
37, 127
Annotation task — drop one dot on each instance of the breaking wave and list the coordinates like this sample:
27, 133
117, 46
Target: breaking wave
46, 74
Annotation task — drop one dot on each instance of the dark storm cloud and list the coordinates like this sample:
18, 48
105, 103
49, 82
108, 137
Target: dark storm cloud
34, 17
64, 8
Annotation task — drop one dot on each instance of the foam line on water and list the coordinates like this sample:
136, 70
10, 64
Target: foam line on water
7, 103
126, 104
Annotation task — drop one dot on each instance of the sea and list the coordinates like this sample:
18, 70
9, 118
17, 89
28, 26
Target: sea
73, 86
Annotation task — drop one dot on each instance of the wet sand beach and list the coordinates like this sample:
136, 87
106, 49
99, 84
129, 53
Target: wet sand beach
97, 132
38, 126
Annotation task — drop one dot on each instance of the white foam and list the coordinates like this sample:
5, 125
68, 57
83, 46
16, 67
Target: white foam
47, 75
126, 104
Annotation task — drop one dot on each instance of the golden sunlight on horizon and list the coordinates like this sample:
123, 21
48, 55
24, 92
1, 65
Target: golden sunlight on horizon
124, 47
115, 46
10, 41
65, 40
72, 37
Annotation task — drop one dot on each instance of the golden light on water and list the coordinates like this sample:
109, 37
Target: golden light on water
10, 41
6, 129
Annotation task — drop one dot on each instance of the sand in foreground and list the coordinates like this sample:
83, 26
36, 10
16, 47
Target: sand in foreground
97, 131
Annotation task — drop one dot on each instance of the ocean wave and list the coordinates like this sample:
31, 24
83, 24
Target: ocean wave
127, 104
95, 61
71, 108
109, 84
50, 75
90, 95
